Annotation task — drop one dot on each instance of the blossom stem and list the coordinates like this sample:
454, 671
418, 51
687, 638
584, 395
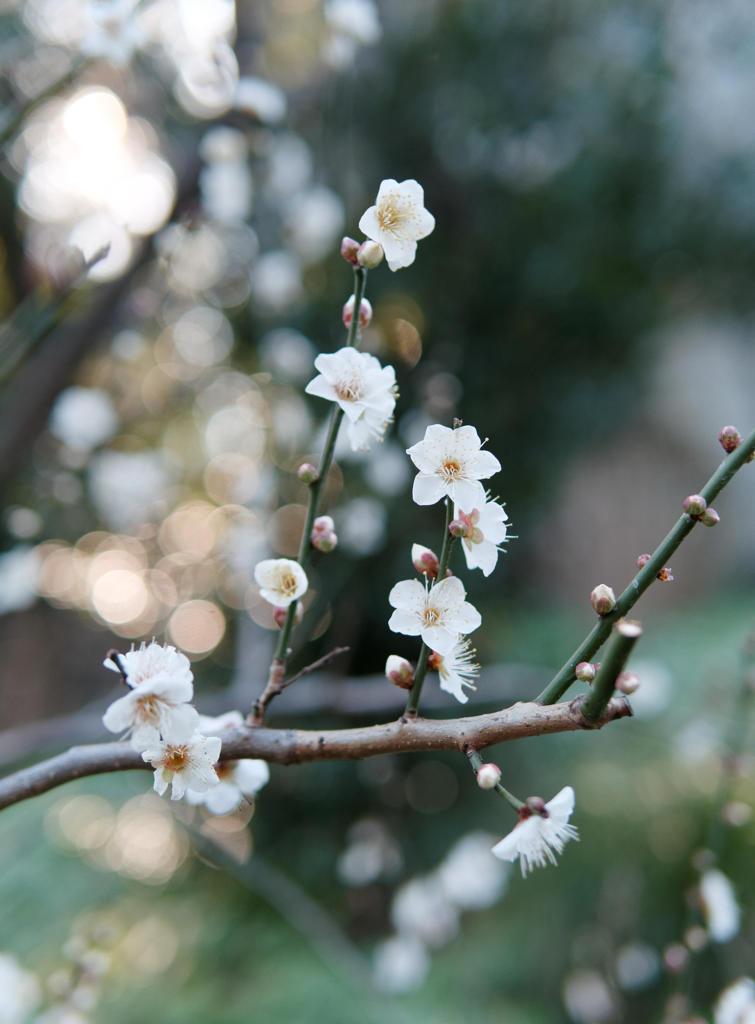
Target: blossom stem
420, 672
278, 666
625, 635
647, 574
476, 761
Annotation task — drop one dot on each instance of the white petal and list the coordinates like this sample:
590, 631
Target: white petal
439, 639
179, 723
408, 594
405, 622
468, 495
426, 490
251, 775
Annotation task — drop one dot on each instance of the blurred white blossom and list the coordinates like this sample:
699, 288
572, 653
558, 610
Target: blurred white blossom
239, 780
128, 488
469, 876
19, 577
401, 964
421, 908
736, 1004
83, 418
719, 904
20, 991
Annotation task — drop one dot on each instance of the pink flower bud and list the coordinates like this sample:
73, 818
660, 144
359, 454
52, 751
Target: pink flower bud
458, 528
665, 575
536, 805
694, 505
627, 682
349, 250
323, 524
488, 776
280, 615
365, 312
325, 541
642, 561
399, 671
710, 517
603, 599
729, 439
370, 255
307, 473
585, 672
425, 561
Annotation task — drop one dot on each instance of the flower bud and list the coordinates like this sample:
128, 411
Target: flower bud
307, 473
694, 505
585, 672
324, 541
399, 671
323, 524
729, 439
488, 776
425, 561
665, 575
349, 249
536, 805
710, 517
642, 561
627, 682
675, 957
280, 615
365, 312
458, 528
603, 599
370, 254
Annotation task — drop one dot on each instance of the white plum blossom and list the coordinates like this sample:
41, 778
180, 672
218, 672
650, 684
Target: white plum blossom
365, 390
451, 463
487, 529
456, 669
537, 836
398, 220
438, 614
189, 765
469, 876
736, 1004
281, 581
239, 780
401, 964
157, 705
719, 905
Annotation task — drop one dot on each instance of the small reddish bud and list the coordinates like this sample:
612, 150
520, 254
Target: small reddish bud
603, 599
627, 682
585, 672
642, 561
694, 505
425, 561
307, 473
458, 528
365, 312
710, 517
488, 776
399, 671
323, 524
370, 254
729, 439
325, 541
281, 614
665, 575
536, 805
675, 957
350, 250
435, 661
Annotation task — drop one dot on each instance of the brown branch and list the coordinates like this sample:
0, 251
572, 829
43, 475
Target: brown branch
296, 746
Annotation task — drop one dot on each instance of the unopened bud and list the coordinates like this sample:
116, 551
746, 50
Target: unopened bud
399, 671
585, 672
488, 776
325, 541
675, 957
323, 524
710, 517
425, 561
307, 473
694, 505
603, 599
370, 254
365, 312
458, 528
281, 614
349, 250
642, 561
435, 661
665, 575
627, 682
729, 439
536, 805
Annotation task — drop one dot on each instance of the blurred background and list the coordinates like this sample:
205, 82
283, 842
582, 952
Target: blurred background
175, 179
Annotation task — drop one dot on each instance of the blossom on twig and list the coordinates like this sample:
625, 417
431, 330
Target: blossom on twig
183, 766
281, 581
398, 220
486, 530
239, 780
451, 463
540, 836
456, 669
439, 615
365, 390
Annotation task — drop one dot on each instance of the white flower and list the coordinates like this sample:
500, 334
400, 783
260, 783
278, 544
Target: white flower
457, 669
469, 876
736, 1004
487, 529
83, 417
536, 837
281, 581
401, 964
720, 906
450, 462
189, 765
421, 908
112, 30
365, 390
157, 704
398, 220
238, 779
438, 615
